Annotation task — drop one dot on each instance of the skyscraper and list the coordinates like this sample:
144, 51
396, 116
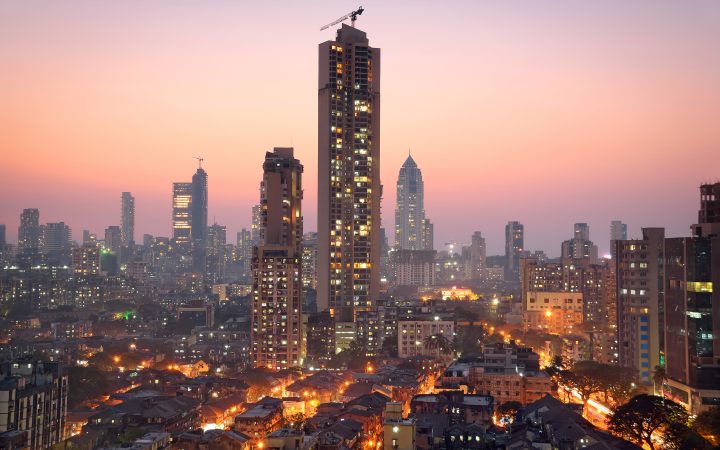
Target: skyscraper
56, 240
410, 211
514, 246
618, 231
113, 238
477, 256
199, 220
580, 249
640, 301
692, 315
277, 265
256, 224
29, 233
127, 219
349, 188
182, 198
217, 254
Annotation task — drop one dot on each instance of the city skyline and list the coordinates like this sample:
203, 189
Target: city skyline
569, 126
148, 131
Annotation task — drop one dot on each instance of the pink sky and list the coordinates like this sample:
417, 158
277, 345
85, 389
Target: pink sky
545, 112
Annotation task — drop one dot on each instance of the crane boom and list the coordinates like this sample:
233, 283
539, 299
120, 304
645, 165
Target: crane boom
352, 15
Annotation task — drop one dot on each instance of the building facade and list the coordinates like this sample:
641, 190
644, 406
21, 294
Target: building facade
414, 267
199, 220
514, 247
413, 334
181, 214
410, 210
692, 309
349, 189
127, 219
640, 302
33, 401
277, 265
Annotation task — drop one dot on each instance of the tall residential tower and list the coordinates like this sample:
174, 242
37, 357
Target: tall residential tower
349, 188
127, 218
199, 220
277, 265
514, 246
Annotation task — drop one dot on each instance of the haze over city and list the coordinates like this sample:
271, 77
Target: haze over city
548, 113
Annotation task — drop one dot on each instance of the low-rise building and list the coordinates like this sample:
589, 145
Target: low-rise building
399, 433
460, 407
558, 313
507, 372
413, 333
260, 419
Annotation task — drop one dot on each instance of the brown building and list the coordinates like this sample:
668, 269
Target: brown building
349, 188
277, 265
261, 419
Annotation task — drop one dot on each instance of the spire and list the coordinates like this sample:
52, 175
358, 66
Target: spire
409, 162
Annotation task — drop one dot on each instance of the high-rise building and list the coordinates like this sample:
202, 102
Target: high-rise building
256, 224
56, 243
127, 219
640, 301
709, 204
217, 255
618, 231
89, 238
692, 315
514, 246
3, 238
580, 249
277, 265
349, 189
410, 211
414, 267
477, 256
309, 256
199, 220
29, 232
245, 246
113, 239
182, 199
86, 260
428, 234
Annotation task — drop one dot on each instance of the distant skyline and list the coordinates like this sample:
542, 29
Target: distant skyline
548, 113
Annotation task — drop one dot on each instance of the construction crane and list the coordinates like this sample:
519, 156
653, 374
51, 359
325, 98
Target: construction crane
352, 15
200, 160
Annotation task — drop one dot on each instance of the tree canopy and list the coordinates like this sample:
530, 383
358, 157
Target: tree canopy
647, 419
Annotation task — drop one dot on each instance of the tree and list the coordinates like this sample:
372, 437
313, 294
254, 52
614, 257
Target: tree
86, 383
390, 346
659, 377
508, 411
707, 423
585, 378
619, 383
470, 339
439, 342
646, 417
679, 436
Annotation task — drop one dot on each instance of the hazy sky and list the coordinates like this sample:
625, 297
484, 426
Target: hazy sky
546, 112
